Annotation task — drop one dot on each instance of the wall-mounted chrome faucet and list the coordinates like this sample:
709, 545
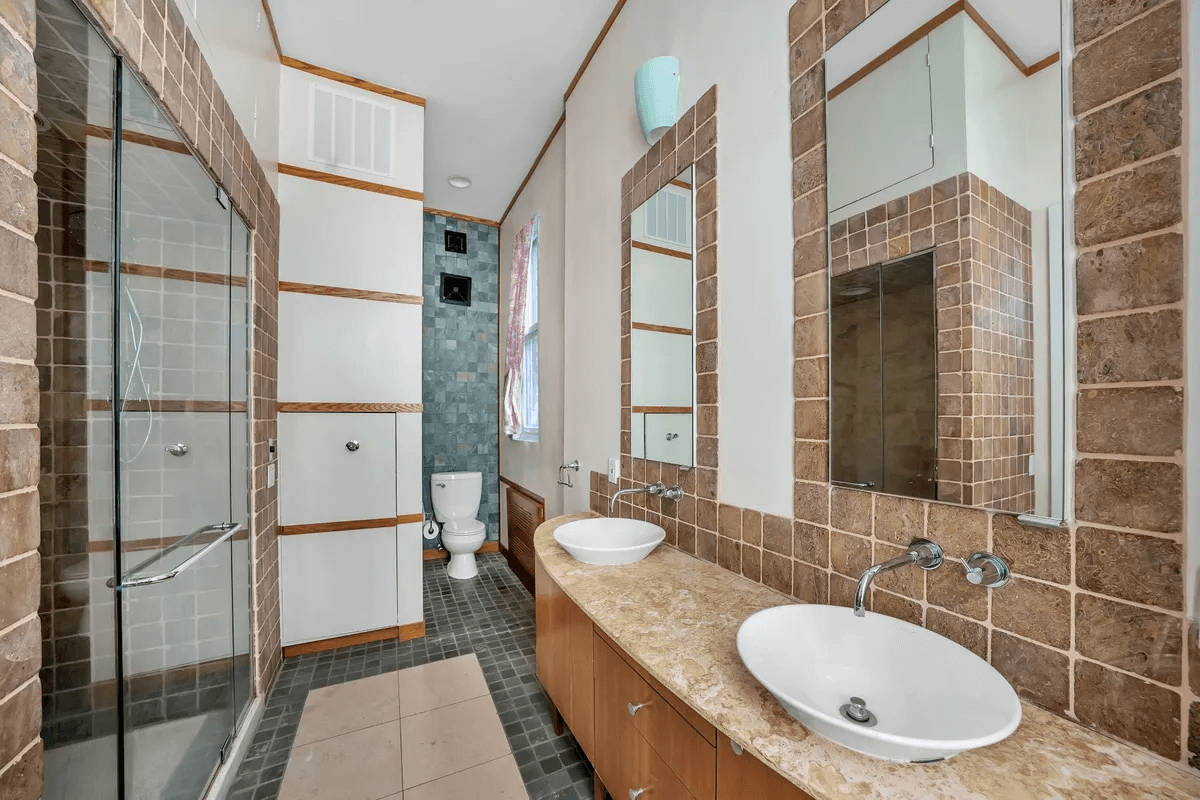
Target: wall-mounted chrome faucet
986, 569
659, 489
921, 552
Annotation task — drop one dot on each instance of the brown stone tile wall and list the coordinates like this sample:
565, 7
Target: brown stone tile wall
1092, 626
20, 568
983, 257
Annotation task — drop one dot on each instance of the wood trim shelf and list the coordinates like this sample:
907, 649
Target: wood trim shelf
519, 489
350, 183
166, 273
348, 408
350, 80
662, 251
680, 184
661, 410
491, 223
353, 294
413, 630
172, 406
434, 554
529, 175
947, 14
157, 543
137, 137
350, 525
646, 326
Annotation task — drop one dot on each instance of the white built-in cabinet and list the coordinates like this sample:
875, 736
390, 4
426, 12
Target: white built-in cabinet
350, 496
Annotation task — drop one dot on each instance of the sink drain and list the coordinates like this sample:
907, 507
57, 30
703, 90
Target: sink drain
856, 711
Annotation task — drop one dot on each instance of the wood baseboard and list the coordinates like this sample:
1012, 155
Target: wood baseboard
433, 554
413, 630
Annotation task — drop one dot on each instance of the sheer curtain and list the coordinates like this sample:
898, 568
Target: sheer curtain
515, 343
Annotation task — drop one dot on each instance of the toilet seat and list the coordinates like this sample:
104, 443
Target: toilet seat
469, 527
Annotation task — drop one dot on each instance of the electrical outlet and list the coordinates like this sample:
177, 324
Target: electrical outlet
614, 470
270, 475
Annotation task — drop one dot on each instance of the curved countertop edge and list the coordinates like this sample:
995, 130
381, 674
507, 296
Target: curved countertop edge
678, 617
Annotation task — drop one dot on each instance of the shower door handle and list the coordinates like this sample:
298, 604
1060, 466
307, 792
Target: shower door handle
226, 529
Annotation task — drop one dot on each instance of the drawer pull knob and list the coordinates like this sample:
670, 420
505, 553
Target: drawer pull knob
352, 445
737, 748
634, 794
634, 708
179, 449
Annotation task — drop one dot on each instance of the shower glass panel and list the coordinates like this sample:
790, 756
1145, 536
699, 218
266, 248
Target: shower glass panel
143, 360
80, 699
175, 476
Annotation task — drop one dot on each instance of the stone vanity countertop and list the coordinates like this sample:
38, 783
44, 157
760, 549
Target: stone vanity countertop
678, 617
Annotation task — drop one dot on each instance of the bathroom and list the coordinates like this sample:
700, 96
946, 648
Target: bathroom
390, 414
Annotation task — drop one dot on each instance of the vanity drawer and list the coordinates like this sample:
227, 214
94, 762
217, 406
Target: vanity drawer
631, 713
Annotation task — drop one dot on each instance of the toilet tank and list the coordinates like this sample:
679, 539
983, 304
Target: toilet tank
455, 494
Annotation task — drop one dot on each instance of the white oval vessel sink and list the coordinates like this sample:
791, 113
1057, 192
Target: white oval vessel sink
609, 541
925, 697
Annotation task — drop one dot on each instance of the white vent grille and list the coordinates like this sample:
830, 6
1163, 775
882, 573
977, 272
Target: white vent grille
668, 218
351, 132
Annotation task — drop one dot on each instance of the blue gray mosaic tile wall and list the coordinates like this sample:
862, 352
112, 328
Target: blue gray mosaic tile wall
459, 354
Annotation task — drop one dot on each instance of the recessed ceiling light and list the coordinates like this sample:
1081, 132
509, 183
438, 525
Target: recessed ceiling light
460, 181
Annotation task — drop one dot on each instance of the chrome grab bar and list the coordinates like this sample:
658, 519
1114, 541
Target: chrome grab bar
853, 485
226, 529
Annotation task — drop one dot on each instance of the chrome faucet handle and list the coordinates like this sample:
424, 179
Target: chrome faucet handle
926, 554
672, 493
656, 488
987, 570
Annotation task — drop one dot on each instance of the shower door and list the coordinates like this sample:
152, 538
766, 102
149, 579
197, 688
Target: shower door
180, 389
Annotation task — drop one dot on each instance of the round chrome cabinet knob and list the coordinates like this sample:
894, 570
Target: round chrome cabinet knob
352, 445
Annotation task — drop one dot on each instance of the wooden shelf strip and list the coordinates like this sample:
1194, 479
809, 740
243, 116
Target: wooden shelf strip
166, 273
173, 406
662, 410
646, 326
353, 294
349, 408
350, 80
662, 251
136, 137
351, 183
350, 525
464, 217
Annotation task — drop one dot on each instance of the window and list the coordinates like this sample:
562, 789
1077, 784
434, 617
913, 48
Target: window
529, 360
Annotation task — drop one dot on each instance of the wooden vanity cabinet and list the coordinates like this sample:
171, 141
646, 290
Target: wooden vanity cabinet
744, 777
564, 656
637, 734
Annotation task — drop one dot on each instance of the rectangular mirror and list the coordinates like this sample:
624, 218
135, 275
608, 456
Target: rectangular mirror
662, 379
945, 161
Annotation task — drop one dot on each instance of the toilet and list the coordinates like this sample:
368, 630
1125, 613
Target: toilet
455, 504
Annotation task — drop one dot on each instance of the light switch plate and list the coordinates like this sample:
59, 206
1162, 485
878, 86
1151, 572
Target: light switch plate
614, 470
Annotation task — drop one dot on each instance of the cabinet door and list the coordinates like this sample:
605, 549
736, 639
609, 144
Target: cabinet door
744, 777
581, 712
553, 668
323, 480
335, 584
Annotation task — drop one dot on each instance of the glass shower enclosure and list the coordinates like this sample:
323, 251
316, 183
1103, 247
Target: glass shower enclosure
143, 343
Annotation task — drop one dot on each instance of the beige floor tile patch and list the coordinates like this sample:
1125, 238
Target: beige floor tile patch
451, 739
494, 780
335, 710
362, 765
440, 684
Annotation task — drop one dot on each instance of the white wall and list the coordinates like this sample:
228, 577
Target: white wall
236, 40
534, 465
349, 350
741, 48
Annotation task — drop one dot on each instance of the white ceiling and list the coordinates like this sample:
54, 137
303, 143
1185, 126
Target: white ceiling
1032, 28
493, 75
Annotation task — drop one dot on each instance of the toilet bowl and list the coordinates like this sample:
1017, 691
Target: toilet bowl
456, 498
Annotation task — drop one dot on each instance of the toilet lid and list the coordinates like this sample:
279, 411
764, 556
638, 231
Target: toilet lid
469, 527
